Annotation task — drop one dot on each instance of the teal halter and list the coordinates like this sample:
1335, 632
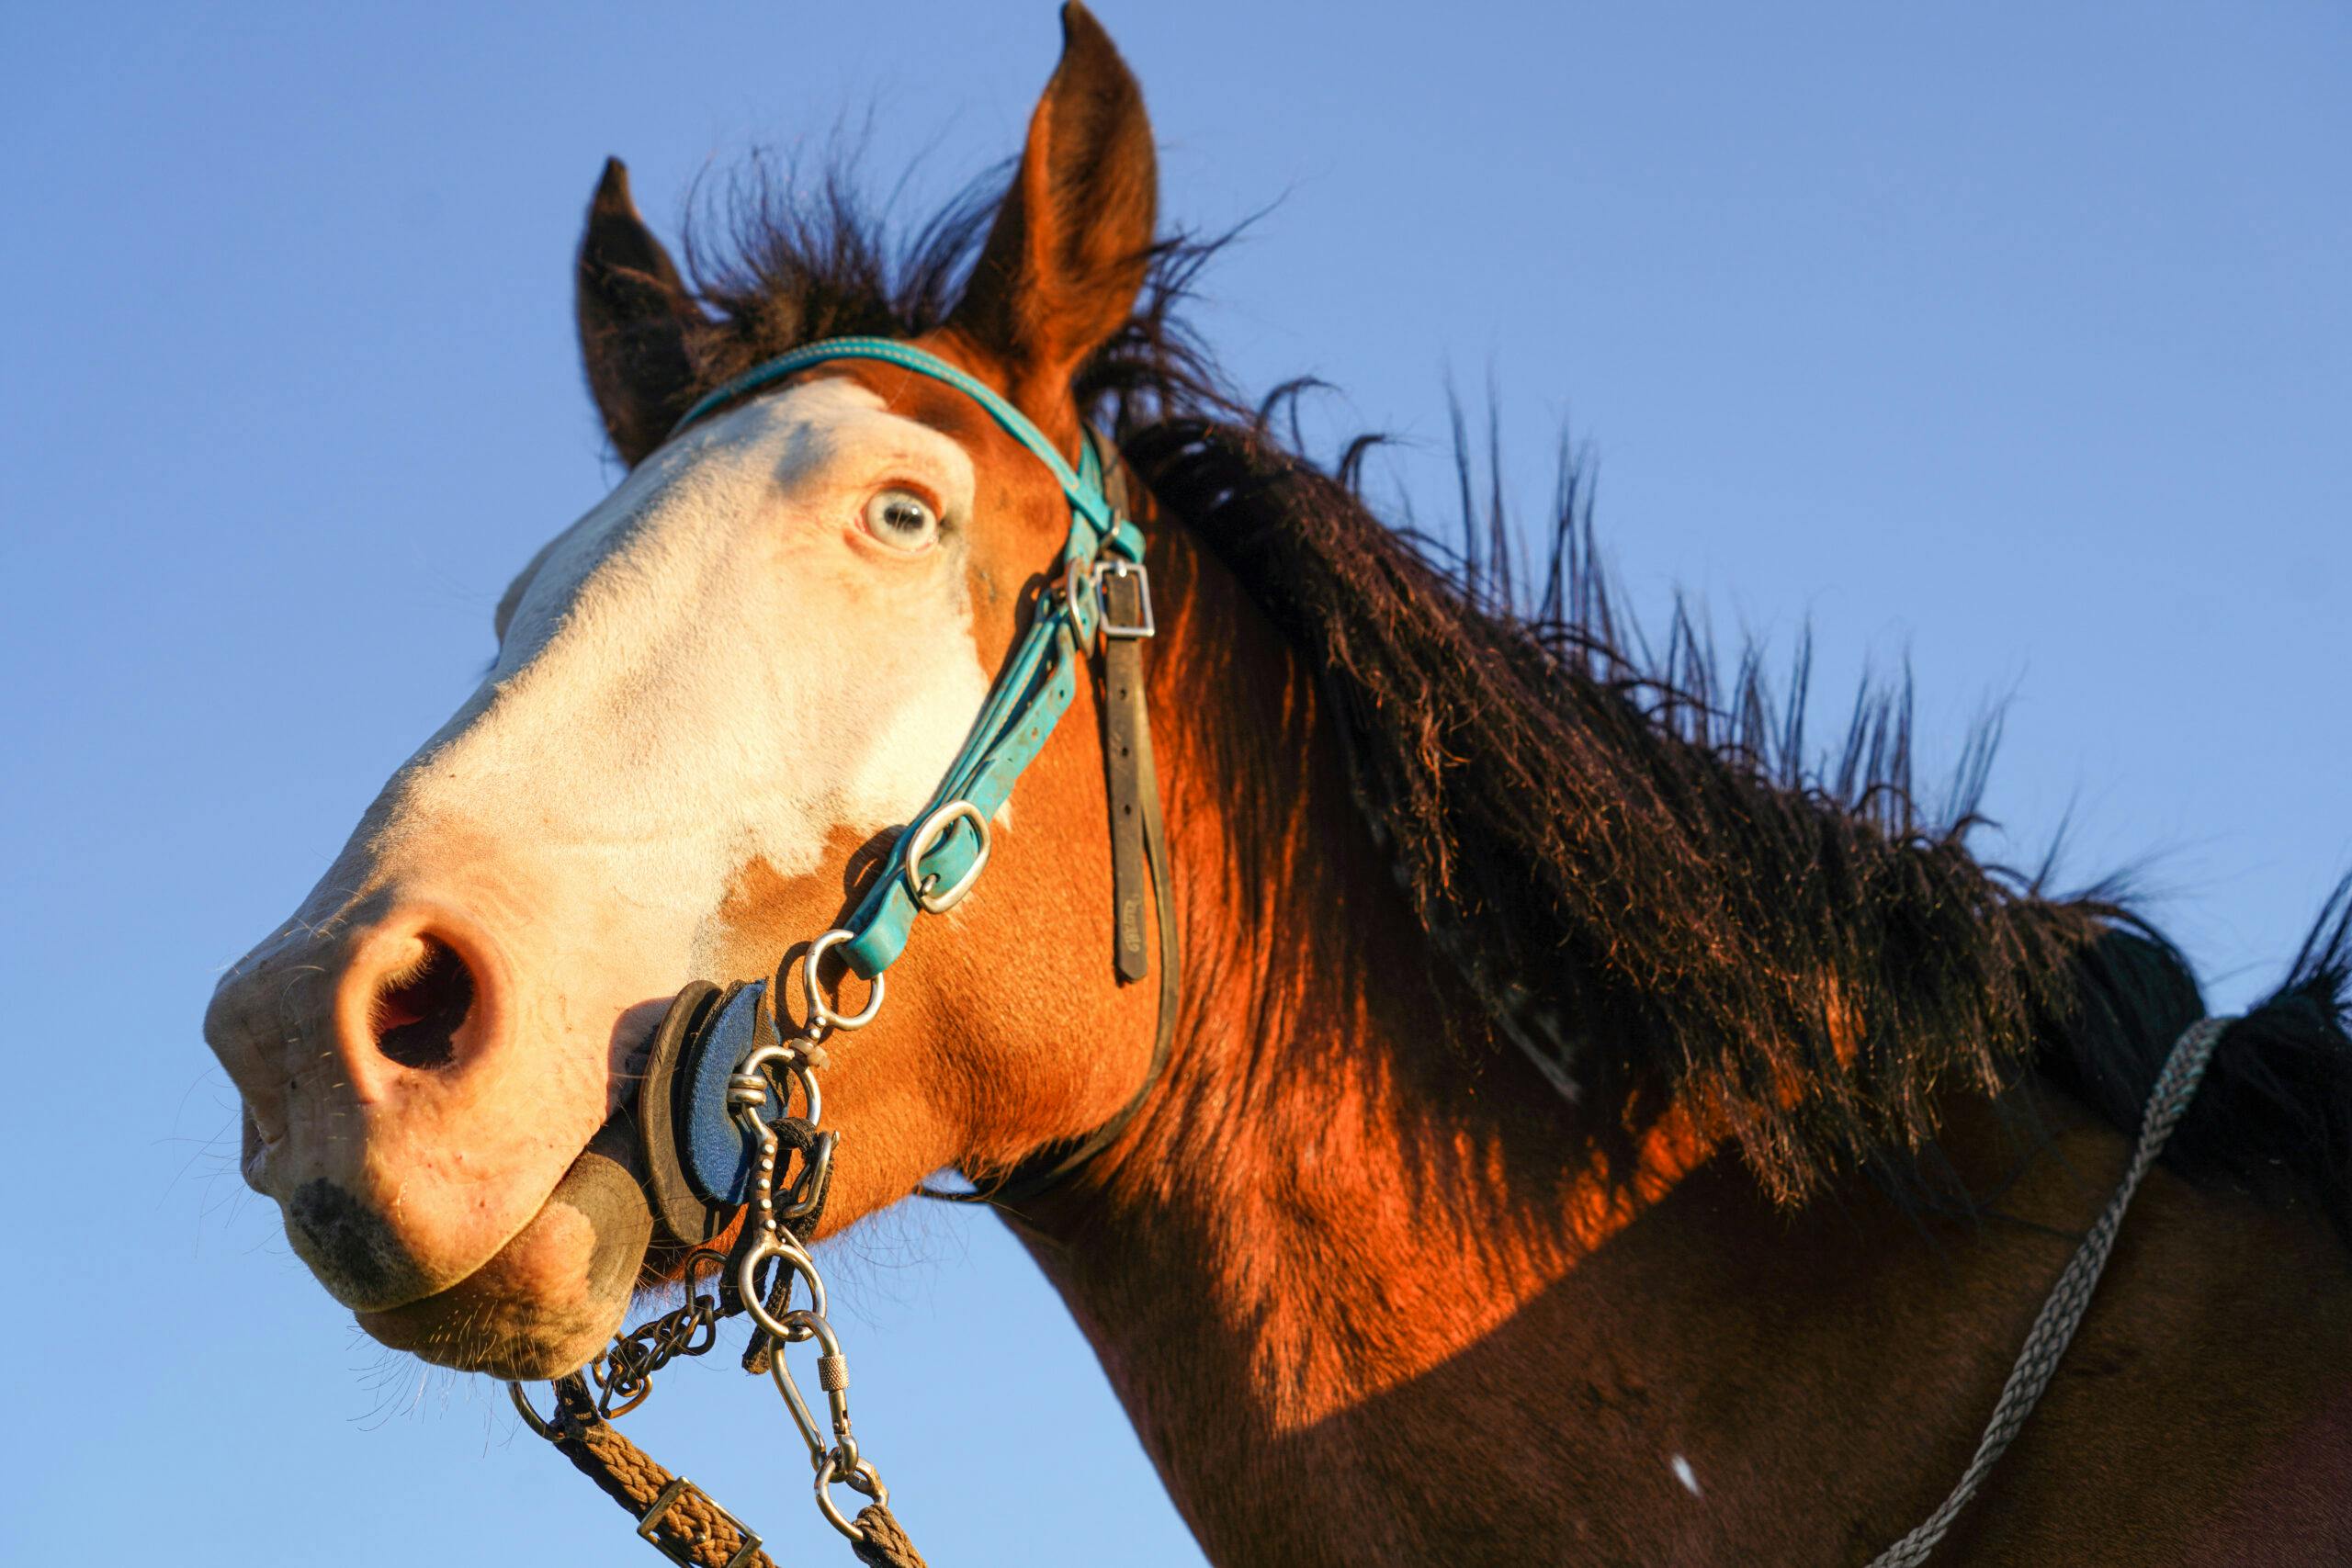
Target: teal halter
934, 862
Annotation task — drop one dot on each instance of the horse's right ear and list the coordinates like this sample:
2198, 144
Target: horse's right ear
638, 322
1071, 246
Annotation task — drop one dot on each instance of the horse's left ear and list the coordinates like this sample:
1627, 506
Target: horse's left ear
1071, 244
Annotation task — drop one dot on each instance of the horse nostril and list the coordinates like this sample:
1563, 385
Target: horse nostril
418, 1009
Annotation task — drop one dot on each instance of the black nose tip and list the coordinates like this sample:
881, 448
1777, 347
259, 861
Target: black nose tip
350, 1247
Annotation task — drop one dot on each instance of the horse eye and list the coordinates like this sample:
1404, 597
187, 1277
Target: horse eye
901, 519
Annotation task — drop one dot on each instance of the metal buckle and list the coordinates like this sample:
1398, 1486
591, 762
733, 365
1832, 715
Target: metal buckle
1142, 625
927, 833
683, 1552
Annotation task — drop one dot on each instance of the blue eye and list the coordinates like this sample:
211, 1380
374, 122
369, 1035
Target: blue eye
901, 519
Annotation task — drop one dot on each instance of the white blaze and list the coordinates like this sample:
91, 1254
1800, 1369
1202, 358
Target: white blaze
716, 665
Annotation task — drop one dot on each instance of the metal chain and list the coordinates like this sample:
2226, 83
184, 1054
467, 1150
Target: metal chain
624, 1374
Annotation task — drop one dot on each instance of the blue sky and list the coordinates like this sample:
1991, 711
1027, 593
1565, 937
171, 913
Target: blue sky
2015, 338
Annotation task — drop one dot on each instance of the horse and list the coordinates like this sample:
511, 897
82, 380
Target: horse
1591, 1130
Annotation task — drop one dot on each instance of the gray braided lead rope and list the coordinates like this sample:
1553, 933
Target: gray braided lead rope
2054, 1330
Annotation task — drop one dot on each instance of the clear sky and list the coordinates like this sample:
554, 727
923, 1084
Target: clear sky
2015, 337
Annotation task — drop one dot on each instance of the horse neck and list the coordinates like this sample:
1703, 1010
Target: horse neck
1367, 1303
1325, 1200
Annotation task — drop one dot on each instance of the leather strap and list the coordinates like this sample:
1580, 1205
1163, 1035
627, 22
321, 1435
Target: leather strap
1138, 851
662, 1114
1126, 734
1127, 765
1094, 524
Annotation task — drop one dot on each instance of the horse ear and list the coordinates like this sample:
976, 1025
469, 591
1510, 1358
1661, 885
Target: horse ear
637, 321
1071, 244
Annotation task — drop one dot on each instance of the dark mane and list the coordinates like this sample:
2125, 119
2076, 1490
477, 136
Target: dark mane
1633, 860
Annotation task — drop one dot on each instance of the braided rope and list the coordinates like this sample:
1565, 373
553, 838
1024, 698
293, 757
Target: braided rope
692, 1529
2070, 1298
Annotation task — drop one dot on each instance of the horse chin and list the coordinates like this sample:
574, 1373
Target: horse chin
549, 1301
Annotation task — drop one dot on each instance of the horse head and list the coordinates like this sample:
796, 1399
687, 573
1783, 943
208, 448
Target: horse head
715, 696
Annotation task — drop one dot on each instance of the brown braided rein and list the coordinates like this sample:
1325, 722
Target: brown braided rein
678, 1518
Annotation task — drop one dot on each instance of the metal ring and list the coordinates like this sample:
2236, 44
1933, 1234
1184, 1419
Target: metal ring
769, 1054
919, 843
747, 1285
530, 1416
809, 1323
822, 1012
1076, 586
863, 1479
